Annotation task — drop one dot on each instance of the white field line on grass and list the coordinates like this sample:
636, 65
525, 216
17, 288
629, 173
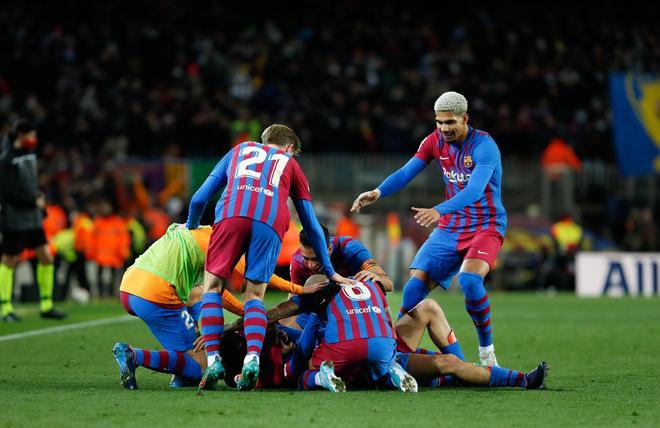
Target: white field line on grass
67, 327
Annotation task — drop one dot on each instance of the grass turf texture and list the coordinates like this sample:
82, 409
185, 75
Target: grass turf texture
602, 355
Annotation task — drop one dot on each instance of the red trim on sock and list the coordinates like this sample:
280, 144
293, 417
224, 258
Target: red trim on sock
164, 359
180, 362
476, 302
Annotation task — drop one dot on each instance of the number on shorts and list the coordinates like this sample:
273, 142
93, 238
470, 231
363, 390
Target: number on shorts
356, 292
187, 319
260, 157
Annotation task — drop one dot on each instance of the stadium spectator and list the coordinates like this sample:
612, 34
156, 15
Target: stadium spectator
567, 236
345, 76
346, 226
111, 247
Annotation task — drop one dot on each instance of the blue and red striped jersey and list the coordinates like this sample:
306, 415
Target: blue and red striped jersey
260, 180
358, 311
457, 164
347, 255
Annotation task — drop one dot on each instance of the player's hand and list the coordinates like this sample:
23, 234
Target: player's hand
341, 280
426, 216
366, 198
367, 275
310, 289
199, 344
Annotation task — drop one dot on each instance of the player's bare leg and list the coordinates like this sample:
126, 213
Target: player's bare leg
254, 327
212, 325
477, 303
428, 315
428, 367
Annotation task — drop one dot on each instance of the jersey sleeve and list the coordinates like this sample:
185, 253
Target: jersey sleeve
299, 185
355, 254
486, 154
214, 182
486, 158
311, 225
425, 149
401, 177
281, 284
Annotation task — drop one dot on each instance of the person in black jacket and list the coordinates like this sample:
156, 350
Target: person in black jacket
22, 219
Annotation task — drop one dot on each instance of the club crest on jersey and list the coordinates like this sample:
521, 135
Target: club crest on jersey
467, 161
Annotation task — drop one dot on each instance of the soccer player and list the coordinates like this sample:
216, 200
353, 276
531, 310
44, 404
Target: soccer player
157, 288
348, 255
358, 333
432, 368
471, 221
22, 219
251, 217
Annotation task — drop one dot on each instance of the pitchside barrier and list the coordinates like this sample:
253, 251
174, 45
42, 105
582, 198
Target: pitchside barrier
617, 274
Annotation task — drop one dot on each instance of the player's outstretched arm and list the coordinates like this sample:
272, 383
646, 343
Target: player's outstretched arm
313, 228
392, 184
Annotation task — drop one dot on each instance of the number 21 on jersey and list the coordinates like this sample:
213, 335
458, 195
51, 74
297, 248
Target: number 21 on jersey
259, 157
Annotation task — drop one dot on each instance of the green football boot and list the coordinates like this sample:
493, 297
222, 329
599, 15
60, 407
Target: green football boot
250, 374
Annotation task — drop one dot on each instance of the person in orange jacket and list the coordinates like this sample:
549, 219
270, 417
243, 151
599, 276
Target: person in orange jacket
111, 245
346, 226
83, 226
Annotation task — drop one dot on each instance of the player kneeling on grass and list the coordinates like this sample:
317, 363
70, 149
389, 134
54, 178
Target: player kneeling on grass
158, 290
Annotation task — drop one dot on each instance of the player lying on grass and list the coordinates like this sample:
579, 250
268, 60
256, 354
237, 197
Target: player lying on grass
428, 367
157, 289
431, 368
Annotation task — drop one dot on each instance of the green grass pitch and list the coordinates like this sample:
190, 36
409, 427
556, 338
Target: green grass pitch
603, 355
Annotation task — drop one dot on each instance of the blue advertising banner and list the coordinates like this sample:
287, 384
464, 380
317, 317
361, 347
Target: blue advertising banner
636, 122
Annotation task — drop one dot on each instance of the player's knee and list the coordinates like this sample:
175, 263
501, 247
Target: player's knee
431, 308
419, 274
470, 282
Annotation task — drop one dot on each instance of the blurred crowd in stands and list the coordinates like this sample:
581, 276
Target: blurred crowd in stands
112, 80
165, 77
